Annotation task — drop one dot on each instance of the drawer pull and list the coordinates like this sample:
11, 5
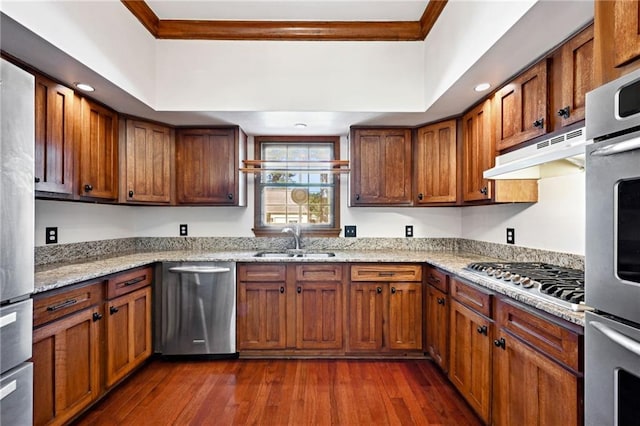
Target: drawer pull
97, 316
500, 343
133, 281
299, 289
433, 279
482, 330
393, 290
281, 290
8, 389
386, 274
440, 300
8, 319
113, 310
62, 305
378, 290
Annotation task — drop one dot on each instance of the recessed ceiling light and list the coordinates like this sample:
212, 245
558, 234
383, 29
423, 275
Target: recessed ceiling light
482, 87
300, 125
84, 86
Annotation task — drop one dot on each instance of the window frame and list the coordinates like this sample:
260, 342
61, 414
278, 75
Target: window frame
306, 229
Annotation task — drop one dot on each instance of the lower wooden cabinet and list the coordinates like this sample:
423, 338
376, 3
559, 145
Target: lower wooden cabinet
385, 311
66, 360
437, 344
294, 307
536, 362
470, 361
77, 352
128, 341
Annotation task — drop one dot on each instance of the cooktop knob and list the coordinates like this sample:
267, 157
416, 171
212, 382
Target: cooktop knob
527, 282
489, 271
506, 276
515, 278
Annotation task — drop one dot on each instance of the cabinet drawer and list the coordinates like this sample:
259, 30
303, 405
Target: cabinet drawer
129, 281
319, 273
472, 297
48, 307
437, 278
546, 336
391, 272
260, 273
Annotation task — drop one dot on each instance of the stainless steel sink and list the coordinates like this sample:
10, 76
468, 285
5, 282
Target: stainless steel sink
284, 255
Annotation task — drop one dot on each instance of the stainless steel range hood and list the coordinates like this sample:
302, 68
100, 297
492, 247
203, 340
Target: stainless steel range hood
559, 155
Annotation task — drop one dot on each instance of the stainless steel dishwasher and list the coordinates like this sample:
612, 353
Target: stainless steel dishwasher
198, 309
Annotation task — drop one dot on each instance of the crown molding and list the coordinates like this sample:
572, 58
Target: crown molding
286, 30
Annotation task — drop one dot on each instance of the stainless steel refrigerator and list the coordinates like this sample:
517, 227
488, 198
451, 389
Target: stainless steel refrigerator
17, 130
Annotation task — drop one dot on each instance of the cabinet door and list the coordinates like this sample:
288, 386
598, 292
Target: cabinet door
532, 389
405, 316
128, 333
470, 357
577, 76
148, 162
521, 108
262, 317
53, 137
381, 163
207, 166
627, 32
66, 365
319, 315
437, 307
478, 152
98, 152
366, 303
435, 163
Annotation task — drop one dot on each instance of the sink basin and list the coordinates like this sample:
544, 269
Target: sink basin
273, 254
281, 255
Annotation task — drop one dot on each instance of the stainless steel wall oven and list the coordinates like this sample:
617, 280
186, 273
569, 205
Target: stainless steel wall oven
612, 262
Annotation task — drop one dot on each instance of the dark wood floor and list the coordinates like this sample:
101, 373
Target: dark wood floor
284, 392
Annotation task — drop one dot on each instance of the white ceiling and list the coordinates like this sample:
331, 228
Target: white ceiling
291, 10
548, 23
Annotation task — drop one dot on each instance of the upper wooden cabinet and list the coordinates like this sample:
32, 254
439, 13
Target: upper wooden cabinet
207, 162
55, 120
381, 167
435, 165
626, 32
478, 152
521, 107
148, 160
577, 78
98, 152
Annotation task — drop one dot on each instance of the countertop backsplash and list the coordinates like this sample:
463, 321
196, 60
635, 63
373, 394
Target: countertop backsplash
45, 255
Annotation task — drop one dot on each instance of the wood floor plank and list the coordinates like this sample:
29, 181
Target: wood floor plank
284, 392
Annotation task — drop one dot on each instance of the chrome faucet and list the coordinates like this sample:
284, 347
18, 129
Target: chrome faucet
295, 231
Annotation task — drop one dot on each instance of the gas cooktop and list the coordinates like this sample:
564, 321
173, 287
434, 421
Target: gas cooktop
551, 283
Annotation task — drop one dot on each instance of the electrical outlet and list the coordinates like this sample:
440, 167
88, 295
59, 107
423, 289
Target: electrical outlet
408, 231
184, 230
350, 231
51, 235
511, 236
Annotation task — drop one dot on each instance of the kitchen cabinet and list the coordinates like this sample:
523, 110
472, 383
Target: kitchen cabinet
435, 165
478, 152
98, 152
521, 107
66, 352
207, 163
290, 308
319, 307
537, 370
626, 32
385, 308
471, 331
148, 158
576, 76
381, 167
54, 138
437, 316
128, 323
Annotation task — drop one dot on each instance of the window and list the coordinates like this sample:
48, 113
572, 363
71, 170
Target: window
299, 185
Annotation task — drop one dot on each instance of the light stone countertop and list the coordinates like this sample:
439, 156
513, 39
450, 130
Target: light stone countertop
49, 277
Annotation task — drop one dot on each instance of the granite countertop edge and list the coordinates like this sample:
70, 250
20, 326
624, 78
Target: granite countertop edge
51, 277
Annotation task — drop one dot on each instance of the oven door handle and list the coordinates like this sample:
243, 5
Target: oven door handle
617, 337
617, 148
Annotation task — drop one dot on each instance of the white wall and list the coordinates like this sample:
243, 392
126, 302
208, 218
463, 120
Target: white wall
556, 222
